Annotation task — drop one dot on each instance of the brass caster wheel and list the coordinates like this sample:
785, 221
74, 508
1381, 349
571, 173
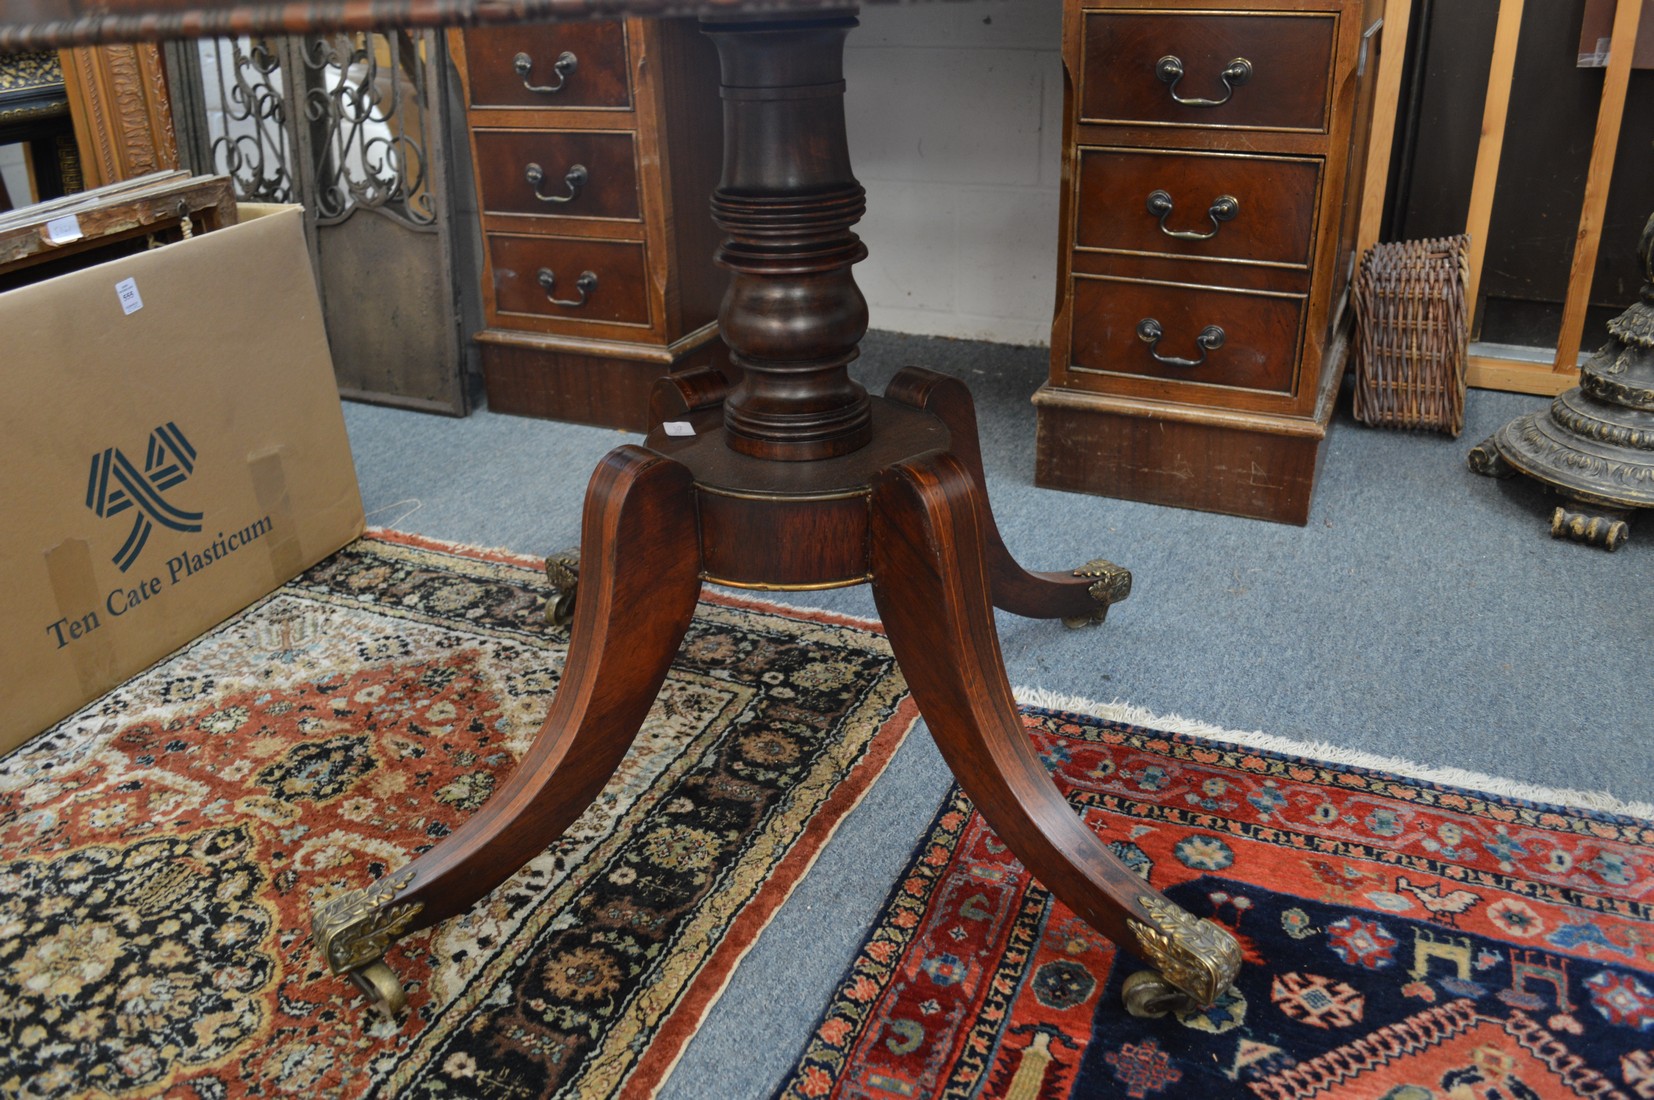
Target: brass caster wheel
1149, 996
1080, 622
563, 571
380, 984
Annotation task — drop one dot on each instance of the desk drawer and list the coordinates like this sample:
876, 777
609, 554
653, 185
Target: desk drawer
1250, 209
526, 66
1260, 333
581, 173
618, 290
1128, 74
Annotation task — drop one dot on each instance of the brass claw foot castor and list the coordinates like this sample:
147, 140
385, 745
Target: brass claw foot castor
353, 932
1112, 584
563, 571
1197, 960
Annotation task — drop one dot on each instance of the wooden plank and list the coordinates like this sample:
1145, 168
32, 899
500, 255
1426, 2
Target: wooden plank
1485, 372
1491, 146
1598, 179
1392, 57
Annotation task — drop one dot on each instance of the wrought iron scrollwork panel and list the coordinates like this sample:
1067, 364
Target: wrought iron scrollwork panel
365, 104
251, 141
337, 123
341, 123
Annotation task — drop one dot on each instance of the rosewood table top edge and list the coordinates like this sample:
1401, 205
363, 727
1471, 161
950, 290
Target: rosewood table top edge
38, 24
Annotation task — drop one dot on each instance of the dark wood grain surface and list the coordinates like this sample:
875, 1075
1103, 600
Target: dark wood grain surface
1221, 192
26, 24
605, 69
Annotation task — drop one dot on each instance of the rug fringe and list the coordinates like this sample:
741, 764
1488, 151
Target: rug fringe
1326, 752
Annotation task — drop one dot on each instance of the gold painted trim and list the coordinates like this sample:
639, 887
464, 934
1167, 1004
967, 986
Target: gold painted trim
33, 114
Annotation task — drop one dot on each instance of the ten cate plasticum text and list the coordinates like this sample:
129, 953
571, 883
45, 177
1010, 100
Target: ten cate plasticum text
180, 567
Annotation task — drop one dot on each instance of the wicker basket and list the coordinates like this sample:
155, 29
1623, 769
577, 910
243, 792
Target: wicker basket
1411, 334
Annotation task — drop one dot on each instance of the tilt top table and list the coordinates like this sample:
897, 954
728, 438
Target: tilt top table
794, 478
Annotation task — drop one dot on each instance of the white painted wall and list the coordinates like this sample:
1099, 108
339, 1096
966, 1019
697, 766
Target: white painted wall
955, 119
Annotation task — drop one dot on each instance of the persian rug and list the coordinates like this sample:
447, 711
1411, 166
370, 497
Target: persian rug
161, 851
1403, 939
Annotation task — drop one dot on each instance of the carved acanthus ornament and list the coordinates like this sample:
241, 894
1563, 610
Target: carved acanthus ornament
357, 928
1197, 956
123, 115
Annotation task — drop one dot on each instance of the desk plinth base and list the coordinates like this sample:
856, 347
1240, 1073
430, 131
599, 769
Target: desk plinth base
910, 515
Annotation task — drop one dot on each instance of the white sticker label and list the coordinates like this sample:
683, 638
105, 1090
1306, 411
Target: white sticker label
679, 427
127, 290
63, 230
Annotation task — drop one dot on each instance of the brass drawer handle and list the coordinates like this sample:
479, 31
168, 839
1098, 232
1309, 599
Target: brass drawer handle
1210, 339
1170, 70
585, 285
574, 179
1223, 208
564, 67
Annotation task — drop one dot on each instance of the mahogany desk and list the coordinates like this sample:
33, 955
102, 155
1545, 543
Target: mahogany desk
795, 478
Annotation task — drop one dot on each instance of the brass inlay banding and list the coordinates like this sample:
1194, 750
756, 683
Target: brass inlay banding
811, 586
784, 498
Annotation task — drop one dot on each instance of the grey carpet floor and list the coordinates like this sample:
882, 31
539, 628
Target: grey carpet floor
1424, 614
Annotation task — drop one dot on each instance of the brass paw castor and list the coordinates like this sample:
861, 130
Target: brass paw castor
353, 931
563, 571
1112, 584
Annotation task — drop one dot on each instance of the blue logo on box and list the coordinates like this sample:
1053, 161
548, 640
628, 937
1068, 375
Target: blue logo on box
116, 485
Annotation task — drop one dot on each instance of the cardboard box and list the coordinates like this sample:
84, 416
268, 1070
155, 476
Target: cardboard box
173, 449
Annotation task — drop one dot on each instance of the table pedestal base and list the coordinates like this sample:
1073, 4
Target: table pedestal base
908, 514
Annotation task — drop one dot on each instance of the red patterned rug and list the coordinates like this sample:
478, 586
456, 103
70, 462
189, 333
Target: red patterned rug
162, 850
1404, 940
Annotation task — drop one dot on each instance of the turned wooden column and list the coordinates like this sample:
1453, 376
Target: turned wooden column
793, 315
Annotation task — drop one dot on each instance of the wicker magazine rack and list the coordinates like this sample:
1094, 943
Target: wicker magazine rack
1412, 333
